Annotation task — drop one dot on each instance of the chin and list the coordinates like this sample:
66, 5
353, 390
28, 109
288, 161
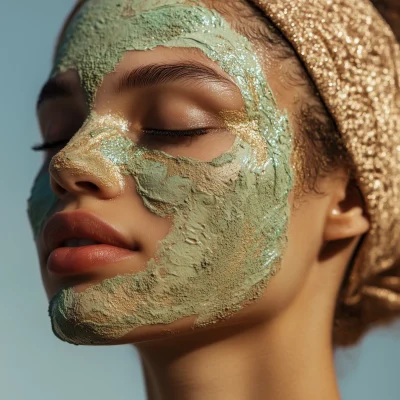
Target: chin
86, 326
89, 324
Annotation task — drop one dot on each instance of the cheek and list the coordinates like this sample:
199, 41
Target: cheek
305, 232
41, 202
160, 193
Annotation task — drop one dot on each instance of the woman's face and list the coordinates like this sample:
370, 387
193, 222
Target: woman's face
168, 208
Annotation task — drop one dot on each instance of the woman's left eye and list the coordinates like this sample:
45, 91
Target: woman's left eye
48, 146
191, 132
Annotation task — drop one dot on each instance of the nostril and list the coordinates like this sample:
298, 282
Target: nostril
87, 186
76, 181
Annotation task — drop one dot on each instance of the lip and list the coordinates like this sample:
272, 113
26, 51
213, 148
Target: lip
112, 246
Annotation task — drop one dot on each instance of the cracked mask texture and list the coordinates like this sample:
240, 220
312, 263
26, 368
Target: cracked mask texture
229, 215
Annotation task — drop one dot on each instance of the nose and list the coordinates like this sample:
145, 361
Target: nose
76, 171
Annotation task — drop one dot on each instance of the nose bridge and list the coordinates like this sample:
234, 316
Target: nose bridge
82, 159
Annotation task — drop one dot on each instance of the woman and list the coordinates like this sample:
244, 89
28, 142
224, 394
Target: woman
205, 199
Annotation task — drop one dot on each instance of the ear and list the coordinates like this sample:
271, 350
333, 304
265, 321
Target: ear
346, 216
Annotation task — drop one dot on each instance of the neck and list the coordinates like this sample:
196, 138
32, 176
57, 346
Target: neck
283, 359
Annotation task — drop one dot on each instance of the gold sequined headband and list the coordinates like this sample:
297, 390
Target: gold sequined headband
353, 58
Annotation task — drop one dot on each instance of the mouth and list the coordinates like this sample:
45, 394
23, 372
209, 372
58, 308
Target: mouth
77, 242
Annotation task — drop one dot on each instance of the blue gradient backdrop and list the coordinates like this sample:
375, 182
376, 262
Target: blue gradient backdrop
34, 364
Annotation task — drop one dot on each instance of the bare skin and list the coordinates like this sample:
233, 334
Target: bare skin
278, 347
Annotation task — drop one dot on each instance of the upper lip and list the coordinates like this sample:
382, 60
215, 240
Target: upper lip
64, 226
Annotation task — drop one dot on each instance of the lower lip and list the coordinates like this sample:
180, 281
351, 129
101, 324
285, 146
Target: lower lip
75, 260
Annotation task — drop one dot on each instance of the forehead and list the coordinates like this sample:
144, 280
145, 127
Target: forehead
103, 30
137, 25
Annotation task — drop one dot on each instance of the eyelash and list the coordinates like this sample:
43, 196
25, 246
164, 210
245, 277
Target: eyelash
49, 145
191, 132
154, 132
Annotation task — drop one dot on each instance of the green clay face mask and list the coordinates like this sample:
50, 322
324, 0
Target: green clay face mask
229, 215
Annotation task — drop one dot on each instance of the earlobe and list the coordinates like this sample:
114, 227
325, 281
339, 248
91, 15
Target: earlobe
345, 224
346, 217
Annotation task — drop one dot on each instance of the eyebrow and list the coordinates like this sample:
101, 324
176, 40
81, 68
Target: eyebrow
54, 88
157, 74
152, 74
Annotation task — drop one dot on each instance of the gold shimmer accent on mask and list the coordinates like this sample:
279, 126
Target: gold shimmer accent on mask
83, 156
354, 60
239, 123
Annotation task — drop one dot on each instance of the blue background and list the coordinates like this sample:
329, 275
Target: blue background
34, 364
